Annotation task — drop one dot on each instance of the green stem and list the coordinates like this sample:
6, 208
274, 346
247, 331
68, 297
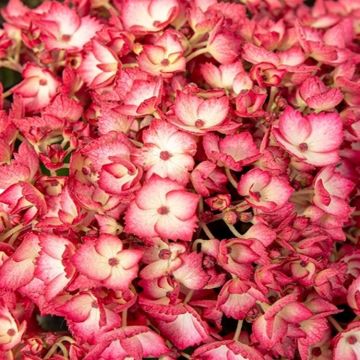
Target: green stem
230, 177
233, 230
196, 53
238, 330
188, 296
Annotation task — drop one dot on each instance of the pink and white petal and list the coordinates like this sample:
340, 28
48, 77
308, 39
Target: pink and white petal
254, 180
294, 127
337, 207
108, 245
186, 108
211, 74
239, 146
278, 191
141, 222
186, 330
152, 344
48, 268
87, 30
191, 273
56, 286
129, 258
120, 279
327, 132
295, 313
87, 254
53, 245
322, 158
213, 111
294, 150
78, 308
170, 227
182, 204
15, 274
153, 194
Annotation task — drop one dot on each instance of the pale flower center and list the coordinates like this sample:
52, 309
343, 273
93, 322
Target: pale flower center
163, 210
11, 332
199, 123
351, 339
113, 262
165, 155
303, 147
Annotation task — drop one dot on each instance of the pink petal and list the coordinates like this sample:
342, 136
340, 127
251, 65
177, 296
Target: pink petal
294, 127
182, 204
108, 245
87, 254
326, 134
169, 226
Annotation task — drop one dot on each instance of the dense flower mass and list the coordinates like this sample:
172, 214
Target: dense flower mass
179, 179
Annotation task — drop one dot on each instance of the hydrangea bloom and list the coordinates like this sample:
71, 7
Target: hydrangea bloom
180, 180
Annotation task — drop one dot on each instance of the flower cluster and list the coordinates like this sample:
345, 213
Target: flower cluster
180, 179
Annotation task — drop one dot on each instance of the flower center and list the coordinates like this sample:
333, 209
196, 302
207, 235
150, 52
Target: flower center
199, 123
165, 62
163, 210
66, 38
165, 155
164, 254
113, 261
303, 147
351, 339
11, 332
43, 82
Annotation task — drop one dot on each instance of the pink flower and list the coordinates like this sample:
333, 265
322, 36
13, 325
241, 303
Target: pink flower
280, 321
237, 298
113, 266
249, 103
134, 341
191, 273
264, 191
24, 200
11, 331
232, 151
180, 324
315, 138
148, 15
226, 349
165, 56
346, 342
106, 163
353, 298
52, 266
63, 28
223, 45
139, 92
198, 115
224, 76
237, 255
332, 191
99, 66
162, 259
87, 317
162, 208
167, 152
18, 270
38, 87
316, 95
23, 167
207, 178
